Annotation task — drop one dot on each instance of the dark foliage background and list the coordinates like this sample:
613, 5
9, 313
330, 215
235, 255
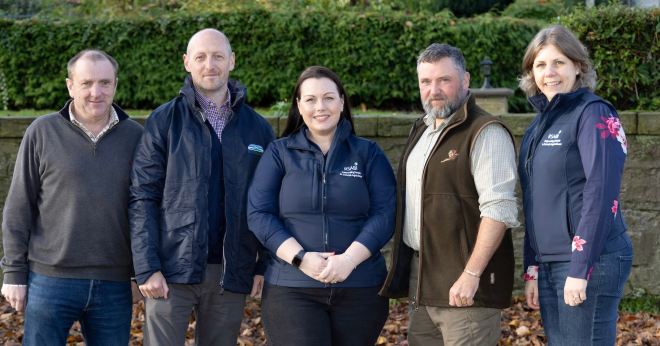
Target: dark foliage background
373, 53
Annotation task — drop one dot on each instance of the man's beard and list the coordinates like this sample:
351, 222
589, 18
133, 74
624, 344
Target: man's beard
450, 107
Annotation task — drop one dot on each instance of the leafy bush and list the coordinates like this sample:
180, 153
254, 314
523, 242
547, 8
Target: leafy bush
546, 10
19, 7
374, 54
623, 43
467, 8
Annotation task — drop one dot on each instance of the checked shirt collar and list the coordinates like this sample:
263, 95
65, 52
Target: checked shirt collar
114, 120
217, 117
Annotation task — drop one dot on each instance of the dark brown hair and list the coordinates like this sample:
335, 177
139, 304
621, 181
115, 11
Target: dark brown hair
295, 121
569, 45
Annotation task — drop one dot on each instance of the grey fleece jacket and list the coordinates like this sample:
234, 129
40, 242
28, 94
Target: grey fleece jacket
66, 212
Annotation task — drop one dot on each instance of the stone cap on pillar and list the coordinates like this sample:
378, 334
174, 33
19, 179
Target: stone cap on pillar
493, 100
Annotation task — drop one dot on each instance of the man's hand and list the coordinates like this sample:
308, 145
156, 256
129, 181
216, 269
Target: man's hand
155, 287
16, 296
575, 291
462, 293
257, 287
532, 293
313, 263
338, 269
137, 296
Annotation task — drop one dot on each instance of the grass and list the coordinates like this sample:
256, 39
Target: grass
635, 303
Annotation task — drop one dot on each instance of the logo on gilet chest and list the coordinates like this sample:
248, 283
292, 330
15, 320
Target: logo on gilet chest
351, 171
552, 140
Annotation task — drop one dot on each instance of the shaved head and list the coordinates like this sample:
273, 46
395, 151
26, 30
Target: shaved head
209, 60
208, 32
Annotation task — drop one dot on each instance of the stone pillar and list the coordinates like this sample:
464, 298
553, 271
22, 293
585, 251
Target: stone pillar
494, 100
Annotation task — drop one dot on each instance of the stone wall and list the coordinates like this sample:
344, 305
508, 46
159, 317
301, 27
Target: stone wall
639, 194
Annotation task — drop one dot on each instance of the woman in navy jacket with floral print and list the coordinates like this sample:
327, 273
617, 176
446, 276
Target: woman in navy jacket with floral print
577, 253
322, 201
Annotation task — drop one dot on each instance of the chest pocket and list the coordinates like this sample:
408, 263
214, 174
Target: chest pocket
301, 185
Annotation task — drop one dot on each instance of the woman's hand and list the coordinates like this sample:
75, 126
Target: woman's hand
313, 263
532, 293
338, 269
575, 291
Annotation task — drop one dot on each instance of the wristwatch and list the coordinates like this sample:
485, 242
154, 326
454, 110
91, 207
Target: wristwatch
298, 258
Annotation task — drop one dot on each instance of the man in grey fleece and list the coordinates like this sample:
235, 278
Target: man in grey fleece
65, 228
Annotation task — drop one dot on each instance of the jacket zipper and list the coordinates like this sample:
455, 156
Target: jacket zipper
528, 168
224, 238
98, 139
326, 163
421, 204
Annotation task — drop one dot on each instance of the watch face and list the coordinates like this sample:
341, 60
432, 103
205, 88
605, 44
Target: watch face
296, 261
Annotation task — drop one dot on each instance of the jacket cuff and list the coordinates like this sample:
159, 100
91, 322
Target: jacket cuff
273, 243
140, 279
149, 267
580, 270
532, 273
369, 241
260, 268
16, 278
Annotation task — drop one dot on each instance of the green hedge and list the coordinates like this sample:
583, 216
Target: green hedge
374, 54
624, 48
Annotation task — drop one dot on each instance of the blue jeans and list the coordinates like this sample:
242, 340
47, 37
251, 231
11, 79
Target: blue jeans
103, 308
593, 322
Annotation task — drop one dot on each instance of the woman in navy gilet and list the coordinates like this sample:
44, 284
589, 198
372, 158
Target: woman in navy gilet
322, 200
577, 254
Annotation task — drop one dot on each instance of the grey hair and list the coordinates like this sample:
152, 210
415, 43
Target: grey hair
93, 55
209, 29
436, 52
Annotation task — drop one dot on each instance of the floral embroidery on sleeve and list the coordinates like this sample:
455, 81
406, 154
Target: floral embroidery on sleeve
615, 208
577, 243
612, 127
532, 273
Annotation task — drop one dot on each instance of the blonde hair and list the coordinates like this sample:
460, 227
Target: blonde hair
569, 45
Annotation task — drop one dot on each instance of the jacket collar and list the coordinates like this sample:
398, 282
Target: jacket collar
64, 112
299, 139
540, 102
237, 91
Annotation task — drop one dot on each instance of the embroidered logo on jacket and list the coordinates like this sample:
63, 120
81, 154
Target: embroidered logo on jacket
452, 155
255, 149
552, 140
351, 171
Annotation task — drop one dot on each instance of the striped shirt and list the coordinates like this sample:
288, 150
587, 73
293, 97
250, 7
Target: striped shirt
493, 168
217, 117
114, 119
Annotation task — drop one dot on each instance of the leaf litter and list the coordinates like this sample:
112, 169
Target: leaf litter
521, 326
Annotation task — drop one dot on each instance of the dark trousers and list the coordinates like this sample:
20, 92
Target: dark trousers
323, 316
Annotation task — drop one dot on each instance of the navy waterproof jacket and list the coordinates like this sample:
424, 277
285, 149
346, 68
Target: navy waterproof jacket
325, 203
571, 162
168, 208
